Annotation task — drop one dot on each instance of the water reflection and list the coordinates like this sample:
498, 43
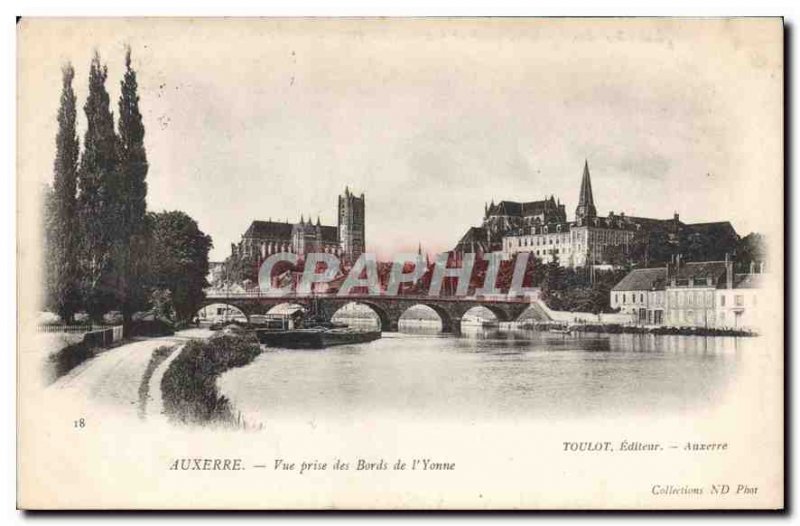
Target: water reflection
487, 373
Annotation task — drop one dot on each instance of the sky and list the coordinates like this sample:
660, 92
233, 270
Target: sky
430, 119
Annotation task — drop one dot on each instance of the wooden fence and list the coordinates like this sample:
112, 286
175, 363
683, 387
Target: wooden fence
94, 336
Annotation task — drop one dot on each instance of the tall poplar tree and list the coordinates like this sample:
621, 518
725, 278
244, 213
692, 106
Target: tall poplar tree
62, 234
99, 197
132, 169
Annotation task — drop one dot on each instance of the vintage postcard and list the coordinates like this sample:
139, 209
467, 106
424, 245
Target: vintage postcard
469, 263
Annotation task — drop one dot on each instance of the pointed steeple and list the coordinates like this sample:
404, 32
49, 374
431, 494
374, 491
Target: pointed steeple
302, 220
318, 223
585, 209
419, 249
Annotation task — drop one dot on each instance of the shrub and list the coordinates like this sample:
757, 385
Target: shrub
155, 327
189, 386
68, 358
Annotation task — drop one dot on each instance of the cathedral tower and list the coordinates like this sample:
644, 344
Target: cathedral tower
351, 225
585, 210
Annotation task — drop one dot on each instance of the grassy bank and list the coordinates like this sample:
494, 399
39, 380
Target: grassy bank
63, 361
189, 386
156, 359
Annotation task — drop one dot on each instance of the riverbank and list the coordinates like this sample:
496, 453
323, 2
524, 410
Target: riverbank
613, 328
189, 386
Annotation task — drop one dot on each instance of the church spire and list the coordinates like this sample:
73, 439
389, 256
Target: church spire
585, 209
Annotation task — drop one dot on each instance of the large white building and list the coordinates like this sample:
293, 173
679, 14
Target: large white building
738, 307
541, 229
705, 294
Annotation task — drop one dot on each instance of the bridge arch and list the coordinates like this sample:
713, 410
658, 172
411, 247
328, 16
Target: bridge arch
221, 310
284, 308
445, 317
500, 313
385, 320
479, 313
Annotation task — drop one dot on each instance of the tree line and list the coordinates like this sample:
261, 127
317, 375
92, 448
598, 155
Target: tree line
103, 250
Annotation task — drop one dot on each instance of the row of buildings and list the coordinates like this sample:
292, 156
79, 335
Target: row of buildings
706, 294
542, 229
703, 293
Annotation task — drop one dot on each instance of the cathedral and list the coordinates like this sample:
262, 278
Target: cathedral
346, 240
541, 228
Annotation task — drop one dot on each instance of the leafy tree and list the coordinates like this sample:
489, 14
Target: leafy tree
751, 249
553, 277
178, 252
240, 268
132, 170
61, 221
572, 290
99, 197
161, 304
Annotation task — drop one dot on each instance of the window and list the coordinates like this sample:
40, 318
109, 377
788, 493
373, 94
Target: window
624, 298
641, 298
722, 300
739, 300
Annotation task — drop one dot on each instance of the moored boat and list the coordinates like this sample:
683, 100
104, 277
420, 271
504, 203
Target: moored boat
314, 338
309, 330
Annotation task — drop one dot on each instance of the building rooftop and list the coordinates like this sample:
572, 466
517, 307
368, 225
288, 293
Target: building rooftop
701, 270
269, 230
283, 230
475, 235
643, 279
517, 209
718, 231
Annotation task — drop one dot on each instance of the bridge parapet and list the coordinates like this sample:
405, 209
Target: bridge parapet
388, 308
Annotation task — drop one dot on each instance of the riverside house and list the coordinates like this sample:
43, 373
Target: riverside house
641, 295
704, 294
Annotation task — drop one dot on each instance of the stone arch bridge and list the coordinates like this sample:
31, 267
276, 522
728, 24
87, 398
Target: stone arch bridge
388, 308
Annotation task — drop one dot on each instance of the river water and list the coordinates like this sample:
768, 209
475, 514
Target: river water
488, 374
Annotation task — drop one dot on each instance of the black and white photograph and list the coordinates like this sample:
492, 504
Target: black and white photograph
400, 263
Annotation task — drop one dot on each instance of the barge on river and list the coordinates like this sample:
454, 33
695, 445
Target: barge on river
302, 330
315, 338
